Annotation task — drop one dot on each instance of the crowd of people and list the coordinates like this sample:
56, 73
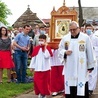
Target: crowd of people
71, 69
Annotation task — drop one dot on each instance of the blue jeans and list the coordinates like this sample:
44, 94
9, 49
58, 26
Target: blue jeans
21, 65
13, 69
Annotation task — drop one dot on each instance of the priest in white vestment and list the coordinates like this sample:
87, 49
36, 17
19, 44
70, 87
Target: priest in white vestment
76, 52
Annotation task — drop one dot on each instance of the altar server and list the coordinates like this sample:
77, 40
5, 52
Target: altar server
40, 63
93, 75
57, 79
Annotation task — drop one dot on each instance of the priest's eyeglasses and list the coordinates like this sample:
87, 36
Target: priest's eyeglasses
73, 29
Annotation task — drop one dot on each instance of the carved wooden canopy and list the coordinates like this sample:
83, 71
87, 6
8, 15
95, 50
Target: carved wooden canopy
60, 20
59, 25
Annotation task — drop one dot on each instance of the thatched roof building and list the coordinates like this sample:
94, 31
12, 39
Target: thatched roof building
28, 17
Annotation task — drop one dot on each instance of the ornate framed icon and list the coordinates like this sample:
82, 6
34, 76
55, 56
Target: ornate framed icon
61, 27
59, 23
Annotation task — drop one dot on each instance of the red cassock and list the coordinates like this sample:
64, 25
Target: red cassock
57, 79
6, 60
42, 78
42, 83
36, 50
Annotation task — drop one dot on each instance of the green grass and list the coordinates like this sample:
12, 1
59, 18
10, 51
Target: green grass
9, 90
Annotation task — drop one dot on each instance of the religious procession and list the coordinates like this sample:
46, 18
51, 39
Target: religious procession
50, 58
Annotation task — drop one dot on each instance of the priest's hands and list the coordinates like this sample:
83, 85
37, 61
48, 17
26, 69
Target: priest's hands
68, 52
90, 70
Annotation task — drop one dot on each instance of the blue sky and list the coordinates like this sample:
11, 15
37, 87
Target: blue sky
43, 8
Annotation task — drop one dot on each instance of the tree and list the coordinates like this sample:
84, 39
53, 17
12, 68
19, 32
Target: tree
4, 12
80, 14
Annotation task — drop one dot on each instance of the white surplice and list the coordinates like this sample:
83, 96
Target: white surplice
41, 62
55, 61
76, 64
93, 75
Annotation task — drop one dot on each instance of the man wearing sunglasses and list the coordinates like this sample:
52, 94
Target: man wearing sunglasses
78, 59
